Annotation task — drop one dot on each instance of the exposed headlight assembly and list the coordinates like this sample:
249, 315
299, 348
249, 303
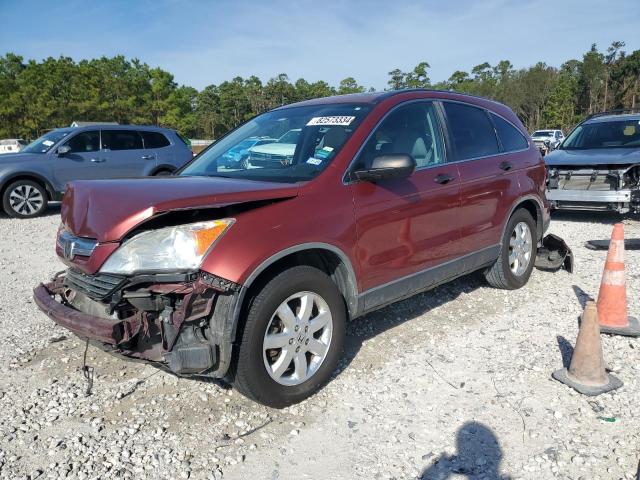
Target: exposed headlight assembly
167, 249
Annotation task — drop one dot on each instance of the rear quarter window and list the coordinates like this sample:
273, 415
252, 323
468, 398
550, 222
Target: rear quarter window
471, 131
154, 140
512, 139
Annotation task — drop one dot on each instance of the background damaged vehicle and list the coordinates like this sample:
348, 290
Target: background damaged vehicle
251, 274
598, 165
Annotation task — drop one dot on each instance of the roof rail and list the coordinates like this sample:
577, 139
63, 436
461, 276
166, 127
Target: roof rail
619, 111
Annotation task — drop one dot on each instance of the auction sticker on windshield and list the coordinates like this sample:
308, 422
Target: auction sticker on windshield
341, 121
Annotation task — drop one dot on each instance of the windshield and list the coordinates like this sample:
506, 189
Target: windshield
300, 143
45, 142
542, 134
613, 134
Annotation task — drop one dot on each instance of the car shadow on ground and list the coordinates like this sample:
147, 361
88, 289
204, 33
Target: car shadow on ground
379, 321
478, 455
606, 218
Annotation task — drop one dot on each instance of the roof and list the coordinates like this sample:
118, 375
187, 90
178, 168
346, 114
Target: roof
77, 123
376, 97
114, 126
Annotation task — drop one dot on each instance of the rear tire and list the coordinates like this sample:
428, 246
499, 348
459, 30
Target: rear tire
25, 199
163, 173
304, 353
519, 245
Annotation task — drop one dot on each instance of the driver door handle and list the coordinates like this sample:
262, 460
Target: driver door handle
148, 157
97, 160
442, 178
506, 166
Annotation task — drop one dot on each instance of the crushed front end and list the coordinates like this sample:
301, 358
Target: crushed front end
168, 319
597, 187
146, 297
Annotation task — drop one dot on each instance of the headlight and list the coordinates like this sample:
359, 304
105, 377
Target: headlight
168, 249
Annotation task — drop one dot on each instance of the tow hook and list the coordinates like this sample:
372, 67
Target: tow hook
554, 254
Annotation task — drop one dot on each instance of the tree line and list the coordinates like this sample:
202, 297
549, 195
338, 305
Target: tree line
38, 96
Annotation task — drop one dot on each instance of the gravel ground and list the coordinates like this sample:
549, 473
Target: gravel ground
453, 383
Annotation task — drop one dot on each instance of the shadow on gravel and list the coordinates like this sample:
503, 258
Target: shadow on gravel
379, 321
478, 456
582, 296
566, 350
606, 218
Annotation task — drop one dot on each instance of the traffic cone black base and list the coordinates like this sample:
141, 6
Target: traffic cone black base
564, 376
632, 329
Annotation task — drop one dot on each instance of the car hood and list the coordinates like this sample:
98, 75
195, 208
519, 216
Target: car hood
596, 156
275, 149
18, 157
106, 210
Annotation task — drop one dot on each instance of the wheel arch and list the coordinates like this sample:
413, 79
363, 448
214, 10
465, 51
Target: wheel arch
165, 167
533, 205
34, 177
326, 257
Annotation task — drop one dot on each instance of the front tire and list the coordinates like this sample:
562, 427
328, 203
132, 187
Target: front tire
292, 339
24, 199
517, 257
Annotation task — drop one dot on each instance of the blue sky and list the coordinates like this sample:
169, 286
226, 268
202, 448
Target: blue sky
205, 42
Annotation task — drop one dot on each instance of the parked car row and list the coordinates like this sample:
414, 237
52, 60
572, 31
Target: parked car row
250, 272
40, 172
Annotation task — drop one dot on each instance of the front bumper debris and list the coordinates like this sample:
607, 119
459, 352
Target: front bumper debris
554, 254
104, 330
183, 326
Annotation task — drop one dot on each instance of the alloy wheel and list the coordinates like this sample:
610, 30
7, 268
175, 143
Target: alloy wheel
520, 248
297, 338
26, 199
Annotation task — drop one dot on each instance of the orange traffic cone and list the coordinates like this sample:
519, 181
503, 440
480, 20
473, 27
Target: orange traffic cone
587, 374
612, 299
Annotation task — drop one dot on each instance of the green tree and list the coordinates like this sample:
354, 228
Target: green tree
397, 79
349, 85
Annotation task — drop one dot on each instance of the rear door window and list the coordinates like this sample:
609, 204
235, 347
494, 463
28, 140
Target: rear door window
121, 140
154, 140
511, 138
471, 131
84, 142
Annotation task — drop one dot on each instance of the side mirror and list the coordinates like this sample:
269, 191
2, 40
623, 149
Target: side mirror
387, 167
63, 150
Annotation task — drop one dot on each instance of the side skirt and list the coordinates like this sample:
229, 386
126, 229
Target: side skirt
406, 287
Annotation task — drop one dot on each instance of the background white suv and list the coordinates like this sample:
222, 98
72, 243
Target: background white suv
547, 140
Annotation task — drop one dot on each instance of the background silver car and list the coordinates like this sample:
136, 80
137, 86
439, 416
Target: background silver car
40, 172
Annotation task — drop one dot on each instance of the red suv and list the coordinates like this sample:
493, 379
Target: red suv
250, 272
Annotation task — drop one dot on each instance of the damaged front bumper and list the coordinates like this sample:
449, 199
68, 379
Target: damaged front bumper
598, 187
187, 326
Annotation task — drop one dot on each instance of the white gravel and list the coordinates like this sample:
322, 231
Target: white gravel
453, 383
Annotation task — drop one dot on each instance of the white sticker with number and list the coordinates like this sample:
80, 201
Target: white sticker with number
341, 121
